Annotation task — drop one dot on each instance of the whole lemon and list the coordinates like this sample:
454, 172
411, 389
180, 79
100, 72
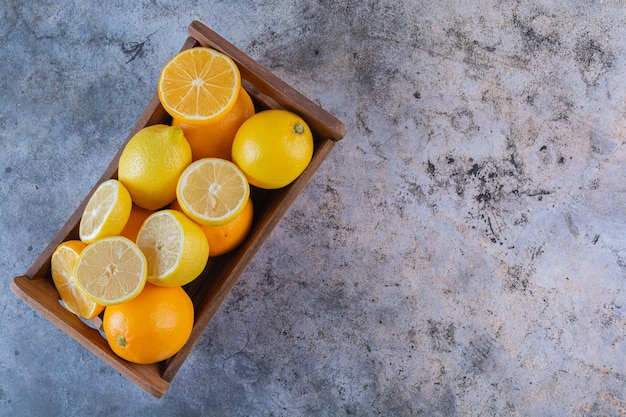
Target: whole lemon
151, 163
273, 147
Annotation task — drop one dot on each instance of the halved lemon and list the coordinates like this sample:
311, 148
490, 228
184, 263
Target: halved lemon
199, 85
111, 270
106, 213
212, 191
62, 265
175, 247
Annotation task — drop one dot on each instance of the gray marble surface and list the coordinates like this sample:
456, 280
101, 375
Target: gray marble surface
462, 252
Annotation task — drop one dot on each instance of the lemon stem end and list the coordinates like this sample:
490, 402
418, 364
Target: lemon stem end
298, 128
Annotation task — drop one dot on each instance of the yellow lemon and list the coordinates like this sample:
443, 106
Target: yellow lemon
111, 270
212, 191
175, 247
106, 212
151, 163
273, 148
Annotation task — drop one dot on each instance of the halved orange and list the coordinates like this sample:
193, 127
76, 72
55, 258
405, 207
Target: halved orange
62, 266
199, 85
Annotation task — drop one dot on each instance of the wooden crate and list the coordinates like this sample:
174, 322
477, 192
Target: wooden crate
209, 290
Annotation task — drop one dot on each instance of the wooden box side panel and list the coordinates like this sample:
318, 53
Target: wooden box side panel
269, 85
210, 290
43, 298
222, 273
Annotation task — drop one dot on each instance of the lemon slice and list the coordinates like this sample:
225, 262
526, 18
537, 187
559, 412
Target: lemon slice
212, 191
62, 265
106, 213
175, 247
199, 85
111, 270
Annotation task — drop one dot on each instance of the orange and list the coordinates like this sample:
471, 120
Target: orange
152, 327
62, 266
273, 148
216, 139
199, 85
225, 238
137, 216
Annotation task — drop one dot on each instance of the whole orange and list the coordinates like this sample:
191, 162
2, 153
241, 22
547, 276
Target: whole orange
225, 238
151, 327
273, 148
215, 140
136, 219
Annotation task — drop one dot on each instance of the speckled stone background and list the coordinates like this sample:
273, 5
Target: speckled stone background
462, 252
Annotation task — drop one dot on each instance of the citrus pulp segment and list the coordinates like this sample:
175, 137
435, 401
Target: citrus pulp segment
199, 85
62, 265
212, 191
111, 270
175, 247
106, 212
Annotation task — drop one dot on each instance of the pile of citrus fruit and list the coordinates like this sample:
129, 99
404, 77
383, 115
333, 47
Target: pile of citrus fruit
181, 194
